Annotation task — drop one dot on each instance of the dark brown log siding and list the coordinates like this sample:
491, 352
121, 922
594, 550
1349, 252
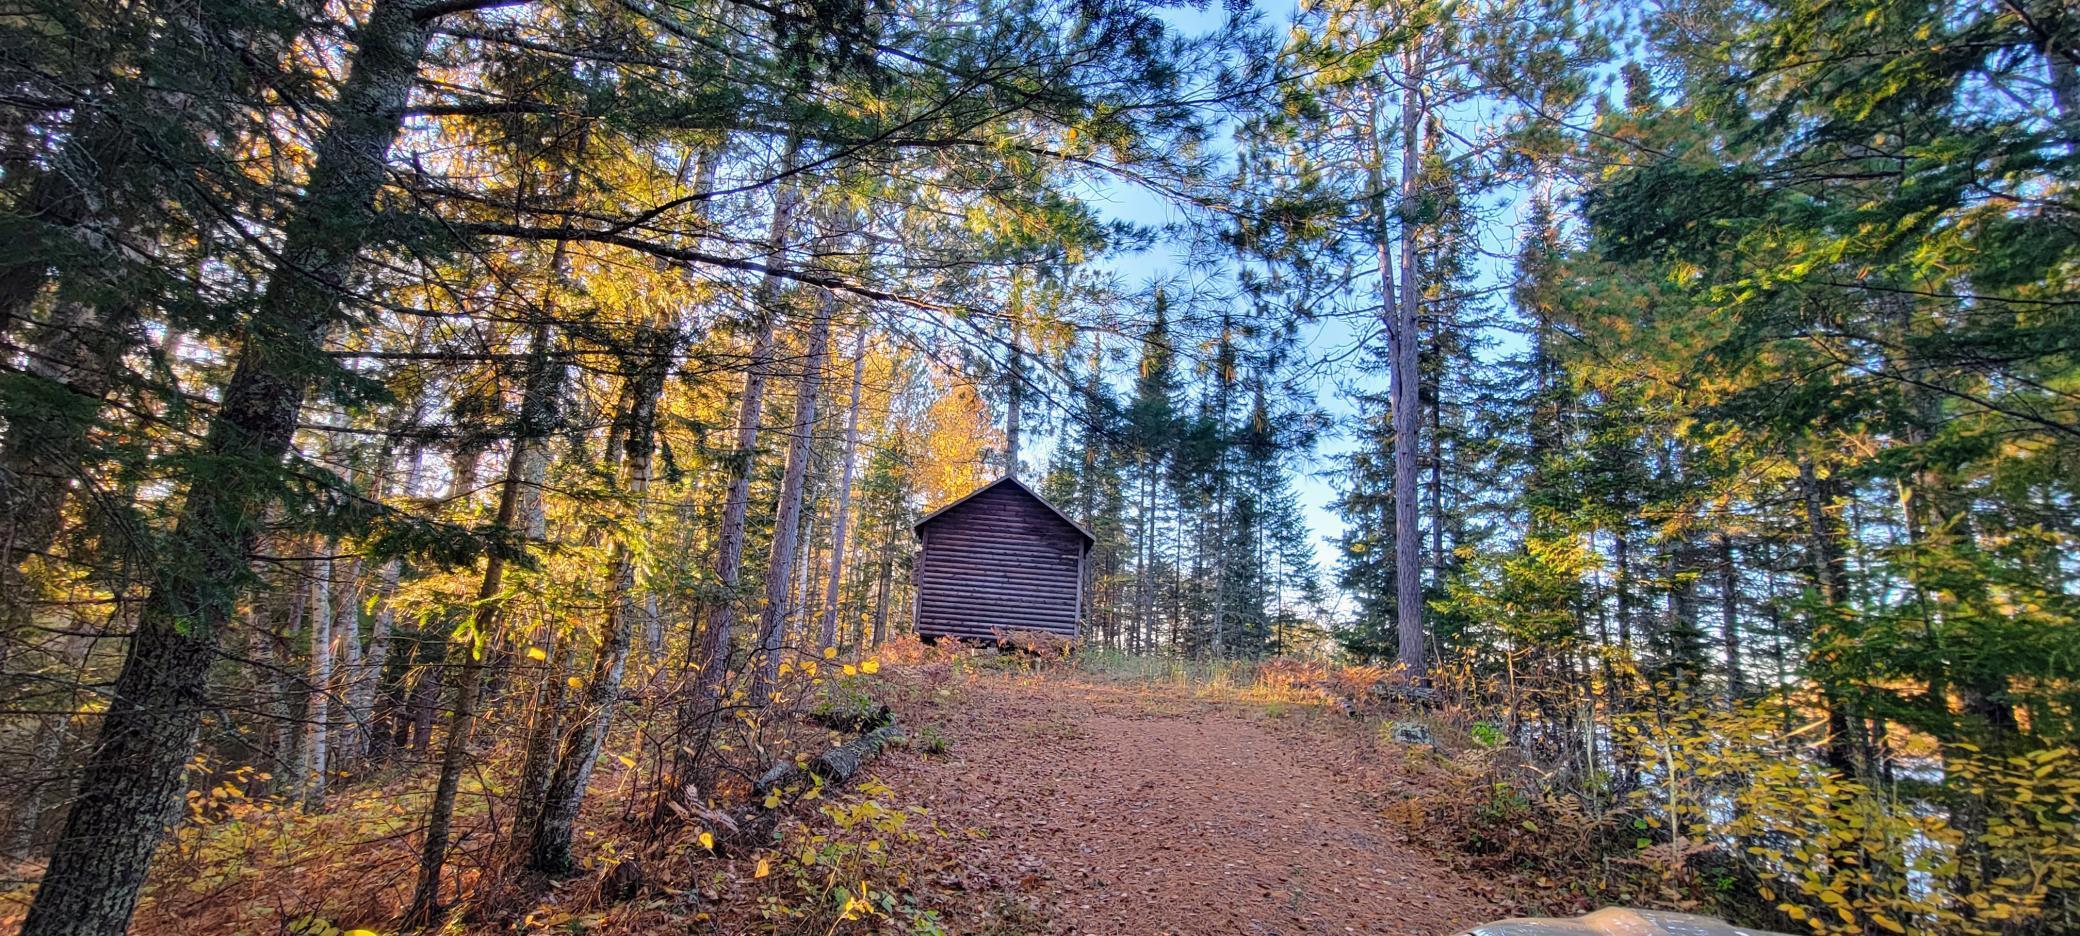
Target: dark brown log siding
999, 561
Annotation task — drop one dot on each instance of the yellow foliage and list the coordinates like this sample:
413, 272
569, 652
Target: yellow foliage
1842, 857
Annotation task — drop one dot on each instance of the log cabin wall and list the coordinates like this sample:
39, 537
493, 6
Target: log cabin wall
1000, 559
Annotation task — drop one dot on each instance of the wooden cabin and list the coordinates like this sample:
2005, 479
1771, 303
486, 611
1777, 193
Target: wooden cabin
999, 559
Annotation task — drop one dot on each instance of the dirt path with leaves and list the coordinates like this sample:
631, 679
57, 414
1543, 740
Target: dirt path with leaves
1096, 807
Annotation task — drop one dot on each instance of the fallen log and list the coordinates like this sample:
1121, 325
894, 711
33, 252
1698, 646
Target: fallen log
836, 765
780, 785
855, 721
1403, 694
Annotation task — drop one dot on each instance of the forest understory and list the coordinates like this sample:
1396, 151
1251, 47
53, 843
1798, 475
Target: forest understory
1028, 797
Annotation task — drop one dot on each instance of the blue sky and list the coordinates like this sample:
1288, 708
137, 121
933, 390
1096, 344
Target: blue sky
1329, 346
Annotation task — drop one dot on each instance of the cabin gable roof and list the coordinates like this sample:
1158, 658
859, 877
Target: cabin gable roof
1088, 539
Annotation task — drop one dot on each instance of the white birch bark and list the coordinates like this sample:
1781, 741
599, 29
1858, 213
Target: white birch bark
317, 714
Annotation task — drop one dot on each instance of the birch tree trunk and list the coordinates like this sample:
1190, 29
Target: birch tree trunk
550, 852
347, 733
317, 717
368, 687
49, 758
291, 693
840, 527
131, 790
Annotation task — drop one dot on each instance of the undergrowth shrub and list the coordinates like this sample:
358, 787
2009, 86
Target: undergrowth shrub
1718, 812
932, 741
841, 867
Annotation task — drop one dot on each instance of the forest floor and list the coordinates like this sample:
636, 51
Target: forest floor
1108, 806
1029, 799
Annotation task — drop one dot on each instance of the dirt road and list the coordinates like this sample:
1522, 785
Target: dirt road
1108, 808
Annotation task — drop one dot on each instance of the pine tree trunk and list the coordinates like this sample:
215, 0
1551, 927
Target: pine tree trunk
888, 564
1730, 618
1829, 572
840, 528
787, 516
720, 618
368, 686
1145, 551
291, 693
1405, 342
1015, 399
132, 787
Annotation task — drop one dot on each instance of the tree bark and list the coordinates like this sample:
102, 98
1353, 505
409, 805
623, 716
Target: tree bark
50, 752
550, 852
1621, 548
1730, 618
544, 732
888, 563
788, 513
720, 619
1015, 400
1824, 552
131, 792
317, 713
1398, 313
835, 765
1406, 340
369, 684
535, 423
840, 527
